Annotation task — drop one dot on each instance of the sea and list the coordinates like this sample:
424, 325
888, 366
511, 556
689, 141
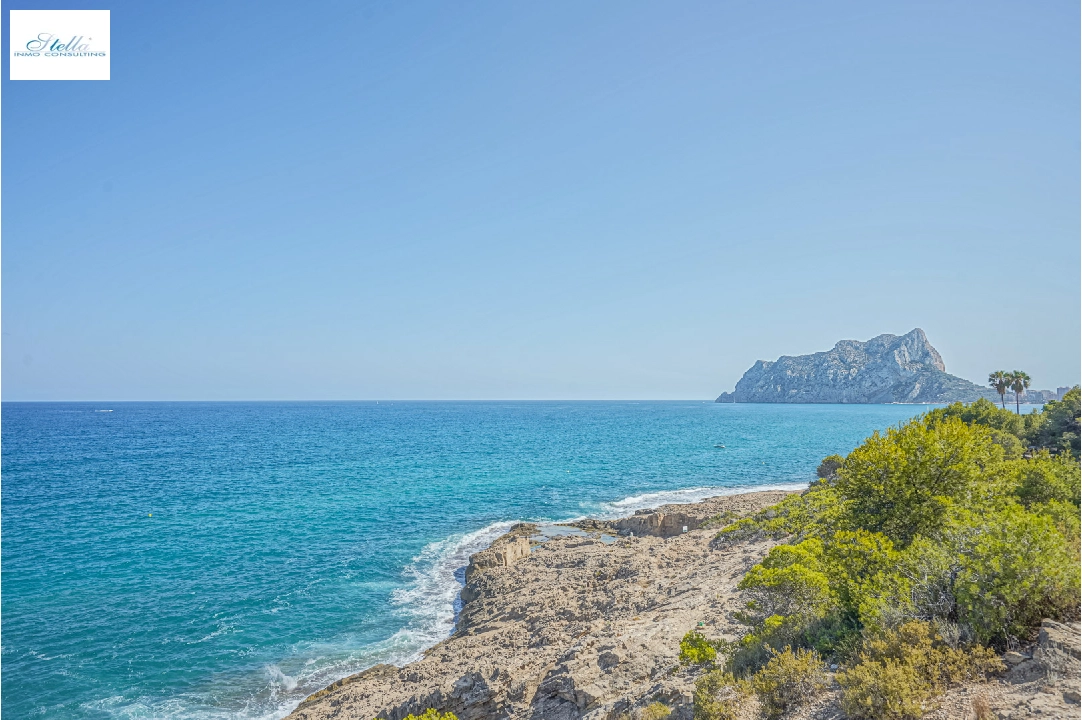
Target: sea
224, 560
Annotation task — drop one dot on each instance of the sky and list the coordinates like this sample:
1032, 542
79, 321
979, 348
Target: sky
557, 200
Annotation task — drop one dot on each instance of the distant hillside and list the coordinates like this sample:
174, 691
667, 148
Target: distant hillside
885, 369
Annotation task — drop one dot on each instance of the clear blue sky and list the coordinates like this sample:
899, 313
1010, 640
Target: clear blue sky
344, 200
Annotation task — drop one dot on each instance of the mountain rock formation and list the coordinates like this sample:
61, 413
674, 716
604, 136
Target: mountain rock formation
885, 369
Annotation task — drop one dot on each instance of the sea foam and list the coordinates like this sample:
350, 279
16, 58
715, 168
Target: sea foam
435, 577
649, 501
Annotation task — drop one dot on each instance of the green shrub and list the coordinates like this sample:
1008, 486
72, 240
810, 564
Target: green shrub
1059, 430
997, 572
789, 679
655, 711
1065, 517
883, 690
719, 696
837, 636
1013, 447
789, 582
788, 596
1019, 570
920, 645
739, 531
695, 649
1007, 429
431, 714
921, 586
982, 412
904, 483
828, 469
857, 562
899, 671
1045, 478
938, 519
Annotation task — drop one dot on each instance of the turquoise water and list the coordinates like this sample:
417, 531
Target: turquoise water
223, 560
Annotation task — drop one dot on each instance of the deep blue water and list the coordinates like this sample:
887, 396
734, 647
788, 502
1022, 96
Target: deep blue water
198, 560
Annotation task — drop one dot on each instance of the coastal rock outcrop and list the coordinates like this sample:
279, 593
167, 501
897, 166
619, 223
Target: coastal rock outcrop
885, 369
658, 524
504, 552
577, 629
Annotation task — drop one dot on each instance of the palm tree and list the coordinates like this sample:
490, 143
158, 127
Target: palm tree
1019, 383
1000, 380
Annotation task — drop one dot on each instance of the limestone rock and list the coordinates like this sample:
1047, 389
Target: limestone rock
506, 551
1058, 648
658, 524
1013, 658
885, 369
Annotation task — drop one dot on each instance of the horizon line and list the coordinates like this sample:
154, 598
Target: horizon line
379, 400
456, 400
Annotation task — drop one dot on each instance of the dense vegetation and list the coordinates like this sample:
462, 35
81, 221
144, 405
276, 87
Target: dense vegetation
907, 563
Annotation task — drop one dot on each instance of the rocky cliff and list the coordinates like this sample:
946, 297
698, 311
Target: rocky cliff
885, 369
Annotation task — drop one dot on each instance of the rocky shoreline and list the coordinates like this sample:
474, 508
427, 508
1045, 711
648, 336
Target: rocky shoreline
586, 624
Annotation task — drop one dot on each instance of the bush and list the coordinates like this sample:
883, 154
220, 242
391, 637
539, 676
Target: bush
884, 689
1045, 478
899, 671
788, 680
997, 572
719, 696
828, 469
789, 582
788, 595
654, 711
920, 645
924, 586
695, 649
857, 562
1020, 570
1013, 447
1007, 429
1059, 430
430, 714
904, 483
1065, 517
982, 412
940, 520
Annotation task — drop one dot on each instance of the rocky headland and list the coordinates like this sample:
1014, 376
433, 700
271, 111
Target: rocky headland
885, 369
585, 623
